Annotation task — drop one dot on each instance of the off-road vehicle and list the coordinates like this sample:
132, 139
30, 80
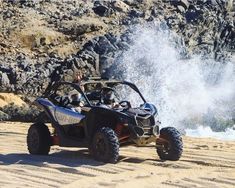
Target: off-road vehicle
102, 115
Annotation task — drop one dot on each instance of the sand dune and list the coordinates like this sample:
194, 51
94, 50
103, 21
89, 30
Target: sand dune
205, 163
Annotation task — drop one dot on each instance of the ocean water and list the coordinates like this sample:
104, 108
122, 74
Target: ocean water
206, 132
194, 94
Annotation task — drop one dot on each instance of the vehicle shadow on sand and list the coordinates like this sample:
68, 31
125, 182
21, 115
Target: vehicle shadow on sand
63, 157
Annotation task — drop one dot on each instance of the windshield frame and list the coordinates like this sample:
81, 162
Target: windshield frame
114, 82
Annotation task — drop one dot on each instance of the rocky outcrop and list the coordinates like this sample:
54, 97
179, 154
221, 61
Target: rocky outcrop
44, 41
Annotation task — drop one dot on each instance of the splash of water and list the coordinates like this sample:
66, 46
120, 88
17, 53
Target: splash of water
204, 132
186, 92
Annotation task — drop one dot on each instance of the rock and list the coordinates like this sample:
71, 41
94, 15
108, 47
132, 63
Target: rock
4, 79
223, 4
101, 10
130, 2
123, 46
24, 113
181, 8
192, 14
106, 62
181, 3
104, 46
80, 26
85, 28
25, 3
8, 14
4, 116
120, 6
136, 13
126, 21
229, 5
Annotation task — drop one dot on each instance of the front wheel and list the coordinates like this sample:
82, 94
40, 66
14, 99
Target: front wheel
105, 145
172, 147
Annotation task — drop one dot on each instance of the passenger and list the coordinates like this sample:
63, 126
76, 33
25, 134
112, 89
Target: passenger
109, 98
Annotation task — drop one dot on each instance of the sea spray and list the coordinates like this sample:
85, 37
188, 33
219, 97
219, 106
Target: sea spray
187, 92
204, 132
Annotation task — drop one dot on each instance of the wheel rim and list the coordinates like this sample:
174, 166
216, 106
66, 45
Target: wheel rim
166, 146
100, 146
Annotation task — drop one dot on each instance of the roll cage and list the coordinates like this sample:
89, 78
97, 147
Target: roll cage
52, 88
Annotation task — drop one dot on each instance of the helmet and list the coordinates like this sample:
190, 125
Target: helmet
75, 97
108, 95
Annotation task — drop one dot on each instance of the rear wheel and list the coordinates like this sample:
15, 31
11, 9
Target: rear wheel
172, 148
39, 139
105, 145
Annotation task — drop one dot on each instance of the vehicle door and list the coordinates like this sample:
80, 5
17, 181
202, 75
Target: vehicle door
65, 112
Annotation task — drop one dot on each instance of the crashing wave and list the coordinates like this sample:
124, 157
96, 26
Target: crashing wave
187, 92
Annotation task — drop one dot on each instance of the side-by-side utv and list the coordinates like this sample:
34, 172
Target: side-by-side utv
102, 115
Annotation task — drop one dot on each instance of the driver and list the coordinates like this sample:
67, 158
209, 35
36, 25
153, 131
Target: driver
109, 98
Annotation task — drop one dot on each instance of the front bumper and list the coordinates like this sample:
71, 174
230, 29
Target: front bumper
144, 131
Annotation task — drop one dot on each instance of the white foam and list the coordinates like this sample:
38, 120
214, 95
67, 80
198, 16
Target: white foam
206, 132
189, 90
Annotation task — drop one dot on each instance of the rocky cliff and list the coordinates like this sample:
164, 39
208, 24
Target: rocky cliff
47, 40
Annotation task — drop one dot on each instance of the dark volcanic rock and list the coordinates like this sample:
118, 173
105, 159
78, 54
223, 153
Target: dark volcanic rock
193, 14
101, 9
40, 54
16, 113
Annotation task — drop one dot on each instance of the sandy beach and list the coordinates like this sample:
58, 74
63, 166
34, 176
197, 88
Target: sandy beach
205, 163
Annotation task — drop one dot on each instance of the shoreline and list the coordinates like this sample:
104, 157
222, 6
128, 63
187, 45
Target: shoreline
188, 132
